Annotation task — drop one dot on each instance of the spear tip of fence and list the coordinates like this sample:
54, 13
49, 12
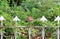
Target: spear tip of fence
2, 18
16, 19
43, 19
57, 18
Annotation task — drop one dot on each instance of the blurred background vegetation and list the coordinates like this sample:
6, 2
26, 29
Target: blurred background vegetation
25, 8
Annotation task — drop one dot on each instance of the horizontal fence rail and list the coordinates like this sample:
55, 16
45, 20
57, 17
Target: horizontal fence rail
29, 29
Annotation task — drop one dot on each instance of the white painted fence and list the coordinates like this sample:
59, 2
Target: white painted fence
29, 32
43, 19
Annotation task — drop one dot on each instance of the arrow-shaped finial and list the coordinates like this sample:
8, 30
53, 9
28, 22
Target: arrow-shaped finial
57, 18
2, 18
16, 19
43, 19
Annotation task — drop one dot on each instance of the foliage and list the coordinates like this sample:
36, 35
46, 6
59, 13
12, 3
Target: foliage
34, 8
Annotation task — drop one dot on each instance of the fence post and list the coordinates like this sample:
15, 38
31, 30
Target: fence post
43, 33
57, 19
43, 19
29, 32
58, 33
2, 19
16, 19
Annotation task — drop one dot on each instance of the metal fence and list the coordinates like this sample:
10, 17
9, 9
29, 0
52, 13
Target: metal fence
41, 31
33, 32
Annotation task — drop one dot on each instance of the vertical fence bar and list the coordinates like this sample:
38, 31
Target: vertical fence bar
11, 37
15, 30
16, 19
58, 33
15, 35
2, 19
29, 32
1, 29
1, 35
43, 33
